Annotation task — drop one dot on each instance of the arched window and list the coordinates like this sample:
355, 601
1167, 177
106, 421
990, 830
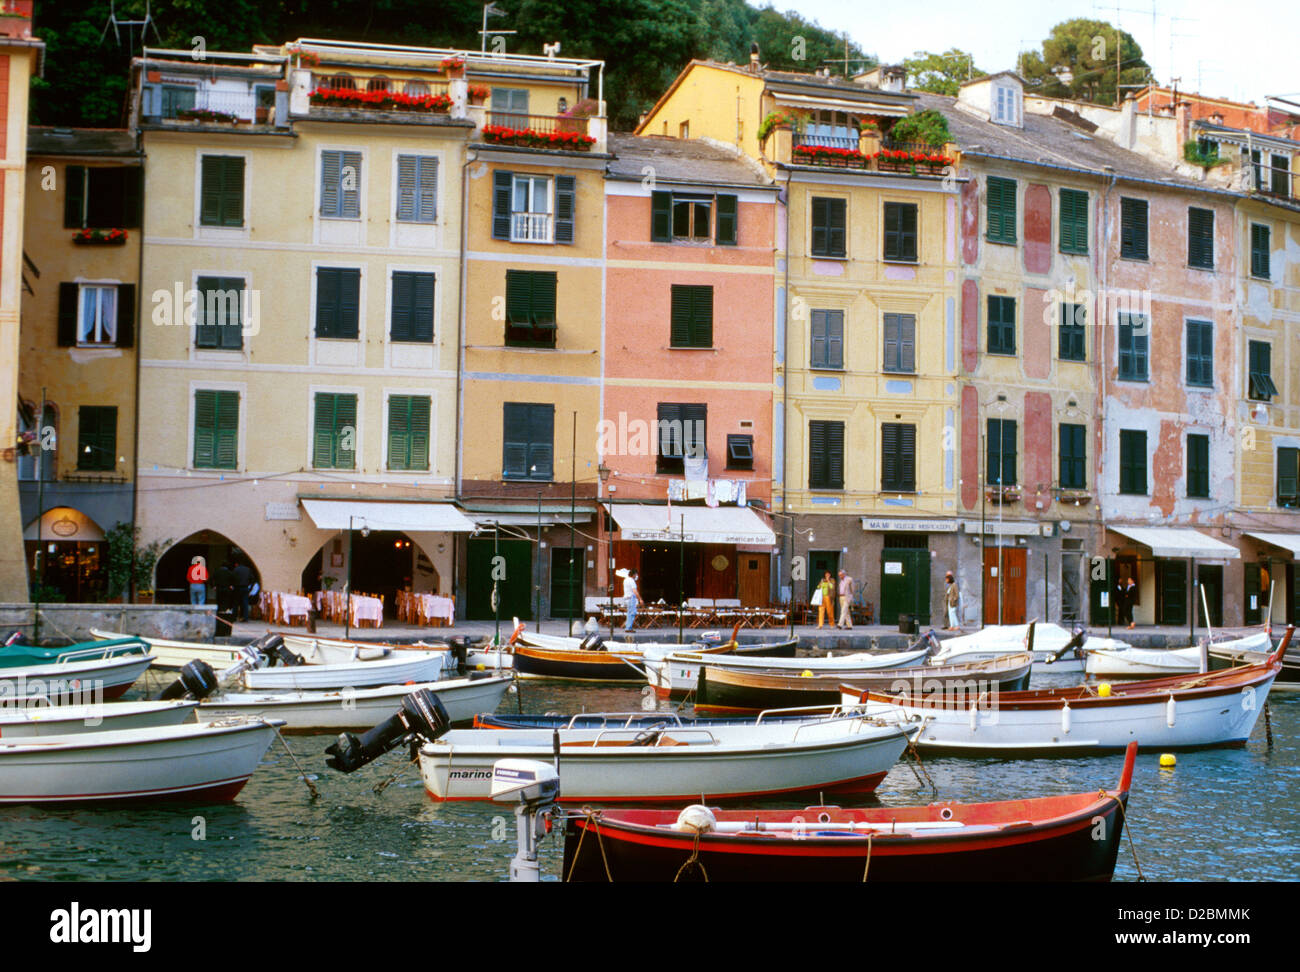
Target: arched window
341, 82
378, 83
416, 89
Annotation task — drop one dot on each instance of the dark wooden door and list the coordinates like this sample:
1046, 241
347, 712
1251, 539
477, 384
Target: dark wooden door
753, 570
1171, 586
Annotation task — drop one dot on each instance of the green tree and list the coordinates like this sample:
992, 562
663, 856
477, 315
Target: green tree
941, 73
1077, 61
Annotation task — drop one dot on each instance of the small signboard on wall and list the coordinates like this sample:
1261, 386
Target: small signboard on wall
283, 511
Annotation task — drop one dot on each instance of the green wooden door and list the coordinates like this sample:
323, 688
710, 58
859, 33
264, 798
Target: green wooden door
1171, 579
1101, 592
1210, 578
566, 582
904, 585
1253, 601
515, 588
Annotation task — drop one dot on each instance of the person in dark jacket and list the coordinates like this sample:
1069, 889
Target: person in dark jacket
224, 581
243, 578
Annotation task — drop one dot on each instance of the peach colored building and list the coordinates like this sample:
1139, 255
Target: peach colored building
686, 431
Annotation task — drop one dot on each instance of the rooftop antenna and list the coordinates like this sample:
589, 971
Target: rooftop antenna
491, 10
115, 22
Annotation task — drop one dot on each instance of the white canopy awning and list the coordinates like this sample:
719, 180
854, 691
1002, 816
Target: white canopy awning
692, 524
1179, 542
841, 104
1287, 541
406, 517
489, 520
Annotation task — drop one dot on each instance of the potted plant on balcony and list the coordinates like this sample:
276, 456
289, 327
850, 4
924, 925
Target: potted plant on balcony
478, 94
100, 237
826, 155
208, 116
575, 119
454, 66
774, 120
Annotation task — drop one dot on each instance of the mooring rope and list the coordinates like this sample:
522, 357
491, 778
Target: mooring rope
593, 817
310, 785
867, 867
1128, 831
693, 861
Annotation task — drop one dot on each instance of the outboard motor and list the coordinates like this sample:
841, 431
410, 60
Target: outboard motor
197, 680
421, 717
593, 642
271, 647
459, 647
14, 638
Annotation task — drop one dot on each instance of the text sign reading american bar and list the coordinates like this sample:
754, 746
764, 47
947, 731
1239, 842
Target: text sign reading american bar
909, 525
751, 539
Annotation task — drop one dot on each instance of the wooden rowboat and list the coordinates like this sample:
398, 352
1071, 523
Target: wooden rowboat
1176, 712
1232, 653
1056, 838
35, 717
176, 654
735, 691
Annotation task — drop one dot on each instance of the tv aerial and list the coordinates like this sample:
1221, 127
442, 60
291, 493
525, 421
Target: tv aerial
115, 22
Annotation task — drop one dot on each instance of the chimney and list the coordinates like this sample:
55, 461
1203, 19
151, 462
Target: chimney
893, 78
1217, 118
1127, 121
753, 58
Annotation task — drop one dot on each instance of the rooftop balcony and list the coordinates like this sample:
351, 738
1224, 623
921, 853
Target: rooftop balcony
866, 151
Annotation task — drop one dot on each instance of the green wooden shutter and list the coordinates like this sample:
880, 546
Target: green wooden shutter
515, 430
133, 198
205, 429
544, 282
835, 338
1000, 210
837, 243
401, 326
399, 432
817, 455
702, 317
227, 430
1009, 473
1198, 465
501, 188
350, 198
330, 163
1073, 230
349, 320
421, 406
566, 196
680, 325
1200, 238
818, 357
322, 453
519, 298
427, 191
216, 429
726, 228
1260, 251
407, 180
69, 299
1288, 476
422, 307
1133, 228
661, 217
889, 456
541, 442
125, 315
74, 196
835, 455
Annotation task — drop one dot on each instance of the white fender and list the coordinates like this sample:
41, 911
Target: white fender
1171, 710
974, 716
1065, 719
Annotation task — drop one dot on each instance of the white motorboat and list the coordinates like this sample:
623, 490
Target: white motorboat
673, 673
1179, 711
310, 646
834, 757
177, 654
89, 672
1050, 641
387, 667
36, 717
206, 761
1154, 662
463, 698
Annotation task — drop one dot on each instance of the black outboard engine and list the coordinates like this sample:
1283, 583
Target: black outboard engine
593, 642
271, 647
421, 717
459, 646
14, 638
197, 680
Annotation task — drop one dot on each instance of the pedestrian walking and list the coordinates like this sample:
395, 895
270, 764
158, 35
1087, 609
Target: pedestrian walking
243, 580
952, 600
632, 597
1125, 595
846, 602
825, 599
224, 582
197, 576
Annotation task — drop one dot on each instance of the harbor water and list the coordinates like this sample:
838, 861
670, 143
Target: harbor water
1218, 815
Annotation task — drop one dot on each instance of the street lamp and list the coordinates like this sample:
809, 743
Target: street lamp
603, 472
347, 581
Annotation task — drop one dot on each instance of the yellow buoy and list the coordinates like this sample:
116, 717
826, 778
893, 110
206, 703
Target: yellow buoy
805, 674
1168, 759
1104, 690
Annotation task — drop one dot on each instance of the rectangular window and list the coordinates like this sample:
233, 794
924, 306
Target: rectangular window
825, 455
408, 432
530, 308
1281, 182
827, 339
897, 457
1200, 353
413, 307
681, 434
338, 302
691, 324
1073, 456
1200, 238
176, 98
1198, 465
900, 344
529, 441
97, 438
97, 316
221, 200
1133, 462
1072, 341
829, 222
740, 452
417, 189
1000, 210
1134, 342
900, 232
1261, 256
1288, 477
510, 107
1074, 221
525, 210
1260, 378
1133, 229
334, 434
685, 218
216, 429
1002, 325
103, 197
219, 318
1000, 457
340, 185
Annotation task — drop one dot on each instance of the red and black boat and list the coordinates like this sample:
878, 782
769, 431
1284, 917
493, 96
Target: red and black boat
1075, 837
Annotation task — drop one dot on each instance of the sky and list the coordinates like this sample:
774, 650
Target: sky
1241, 50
